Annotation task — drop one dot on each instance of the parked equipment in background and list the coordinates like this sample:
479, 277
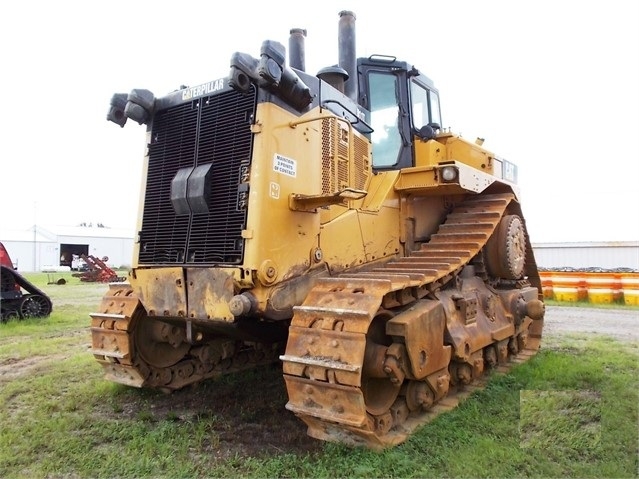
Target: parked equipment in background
19, 298
96, 270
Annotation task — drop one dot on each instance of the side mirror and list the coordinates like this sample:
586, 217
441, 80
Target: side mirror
428, 132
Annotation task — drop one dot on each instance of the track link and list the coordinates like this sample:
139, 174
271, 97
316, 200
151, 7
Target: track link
326, 356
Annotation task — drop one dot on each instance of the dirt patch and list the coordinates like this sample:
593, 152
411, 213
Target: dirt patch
12, 368
246, 413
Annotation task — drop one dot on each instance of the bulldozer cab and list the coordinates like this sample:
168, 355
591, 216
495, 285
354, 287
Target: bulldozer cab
403, 103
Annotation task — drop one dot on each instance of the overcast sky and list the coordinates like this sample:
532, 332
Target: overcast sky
552, 86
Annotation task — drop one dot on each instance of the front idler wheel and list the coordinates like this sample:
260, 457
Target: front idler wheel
506, 249
160, 344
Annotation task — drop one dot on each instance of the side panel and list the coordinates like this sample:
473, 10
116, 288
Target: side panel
367, 232
279, 242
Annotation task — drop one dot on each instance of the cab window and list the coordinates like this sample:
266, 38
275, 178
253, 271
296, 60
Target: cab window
424, 106
384, 108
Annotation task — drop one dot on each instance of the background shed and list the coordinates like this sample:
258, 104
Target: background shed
40, 248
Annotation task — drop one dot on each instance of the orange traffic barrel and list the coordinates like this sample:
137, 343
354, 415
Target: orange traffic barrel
569, 286
546, 284
603, 287
630, 288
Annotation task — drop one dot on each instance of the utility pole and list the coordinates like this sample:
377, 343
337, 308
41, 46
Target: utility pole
35, 239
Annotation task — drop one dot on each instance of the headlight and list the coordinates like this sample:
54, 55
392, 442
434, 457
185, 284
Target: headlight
449, 173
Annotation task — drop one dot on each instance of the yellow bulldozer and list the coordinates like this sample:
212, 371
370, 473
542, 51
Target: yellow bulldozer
329, 222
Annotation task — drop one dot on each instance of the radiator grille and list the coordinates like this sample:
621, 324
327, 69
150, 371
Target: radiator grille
337, 173
328, 156
361, 163
209, 130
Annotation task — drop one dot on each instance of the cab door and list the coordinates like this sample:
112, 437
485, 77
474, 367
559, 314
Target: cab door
402, 104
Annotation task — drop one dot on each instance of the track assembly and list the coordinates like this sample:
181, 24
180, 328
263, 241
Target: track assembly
371, 356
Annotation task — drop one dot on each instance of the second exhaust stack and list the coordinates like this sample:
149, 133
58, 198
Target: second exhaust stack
296, 50
347, 53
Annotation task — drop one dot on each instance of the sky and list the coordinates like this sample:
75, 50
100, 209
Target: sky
552, 86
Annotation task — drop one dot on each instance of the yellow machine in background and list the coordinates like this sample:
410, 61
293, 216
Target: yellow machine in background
329, 222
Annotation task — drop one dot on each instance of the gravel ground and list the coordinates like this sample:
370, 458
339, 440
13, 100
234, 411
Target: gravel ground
621, 324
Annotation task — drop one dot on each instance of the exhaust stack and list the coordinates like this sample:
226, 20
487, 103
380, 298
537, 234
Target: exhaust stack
296, 52
347, 53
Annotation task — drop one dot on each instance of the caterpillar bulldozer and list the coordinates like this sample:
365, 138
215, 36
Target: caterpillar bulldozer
331, 223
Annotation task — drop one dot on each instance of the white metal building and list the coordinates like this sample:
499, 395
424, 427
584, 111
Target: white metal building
605, 255
40, 248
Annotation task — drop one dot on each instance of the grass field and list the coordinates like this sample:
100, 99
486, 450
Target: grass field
571, 411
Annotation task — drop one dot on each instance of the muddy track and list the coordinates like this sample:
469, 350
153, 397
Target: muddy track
346, 380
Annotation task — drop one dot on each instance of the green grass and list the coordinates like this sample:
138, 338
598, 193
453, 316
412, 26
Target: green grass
571, 411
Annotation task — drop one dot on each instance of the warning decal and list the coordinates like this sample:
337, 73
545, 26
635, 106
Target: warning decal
284, 165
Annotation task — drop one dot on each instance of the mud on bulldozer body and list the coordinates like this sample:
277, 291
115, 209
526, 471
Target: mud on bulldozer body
329, 222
